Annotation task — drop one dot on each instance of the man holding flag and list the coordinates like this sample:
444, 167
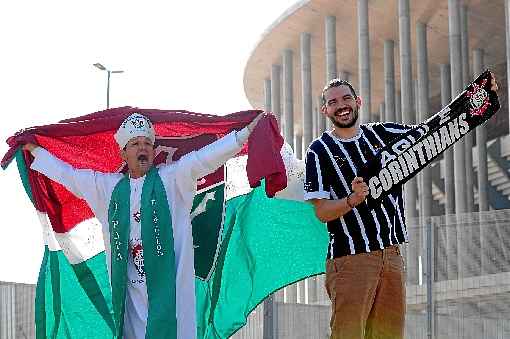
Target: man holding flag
146, 222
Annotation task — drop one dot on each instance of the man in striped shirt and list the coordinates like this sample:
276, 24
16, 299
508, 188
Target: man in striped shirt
364, 271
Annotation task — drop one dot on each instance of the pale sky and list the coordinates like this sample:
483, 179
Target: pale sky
176, 55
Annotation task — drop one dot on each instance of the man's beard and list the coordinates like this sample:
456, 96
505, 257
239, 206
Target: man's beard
355, 113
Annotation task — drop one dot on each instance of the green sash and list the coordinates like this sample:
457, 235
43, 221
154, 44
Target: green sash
158, 252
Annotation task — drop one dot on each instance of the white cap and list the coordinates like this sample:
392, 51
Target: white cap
136, 125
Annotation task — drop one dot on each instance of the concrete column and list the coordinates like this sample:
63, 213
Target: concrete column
483, 233
468, 138
364, 61
276, 75
267, 95
481, 142
288, 96
291, 294
416, 99
7, 312
406, 88
382, 112
298, 145
321, 117
459, 149
344, 75
306, 89
398, 105
507, 30
389, 80
331, 69
311, 287
330, 48
315, 118
424, 108
448, 154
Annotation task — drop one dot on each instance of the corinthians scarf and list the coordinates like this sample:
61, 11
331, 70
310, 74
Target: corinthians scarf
159, 256
404, 157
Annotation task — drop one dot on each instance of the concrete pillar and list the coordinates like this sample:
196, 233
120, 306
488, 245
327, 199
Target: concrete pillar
451, 232
276, 76
306, 89
398, 105
298, 145
288, 96
449, 175
364, 61
408, 117
507, 30
291, 294
7, 312
424, 109
344, 75
311, 287
315, 118
483, 233
406, 88
267, 95
416, 100
459, 149
468, 138
321, 117
331, 69
382, 112
389, 80
481, 142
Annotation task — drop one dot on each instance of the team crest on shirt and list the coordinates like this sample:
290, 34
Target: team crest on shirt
137, 253
208, 205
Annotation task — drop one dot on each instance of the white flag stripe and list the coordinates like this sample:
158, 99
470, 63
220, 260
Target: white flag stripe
79, 244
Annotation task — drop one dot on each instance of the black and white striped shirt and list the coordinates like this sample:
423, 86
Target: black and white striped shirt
331, 165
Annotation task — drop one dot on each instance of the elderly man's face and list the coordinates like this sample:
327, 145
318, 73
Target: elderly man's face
139, 156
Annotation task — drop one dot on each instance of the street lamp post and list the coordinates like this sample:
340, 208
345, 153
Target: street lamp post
102, 68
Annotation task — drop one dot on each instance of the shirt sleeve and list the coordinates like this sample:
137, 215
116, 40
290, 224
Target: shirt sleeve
316, 185
206, 160
94, 187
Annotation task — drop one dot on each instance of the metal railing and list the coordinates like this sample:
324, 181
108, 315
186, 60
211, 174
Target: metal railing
458, 284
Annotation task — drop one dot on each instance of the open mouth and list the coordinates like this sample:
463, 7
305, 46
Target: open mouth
142, 158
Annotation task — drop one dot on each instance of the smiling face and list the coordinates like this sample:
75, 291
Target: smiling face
139, 156
341, 106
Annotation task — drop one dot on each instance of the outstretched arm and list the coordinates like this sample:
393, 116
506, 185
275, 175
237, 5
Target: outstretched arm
209, 158
83, 183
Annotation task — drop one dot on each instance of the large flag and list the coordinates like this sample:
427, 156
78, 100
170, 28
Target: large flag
246, 244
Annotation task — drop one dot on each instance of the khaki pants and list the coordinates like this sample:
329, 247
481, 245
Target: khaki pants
367, 293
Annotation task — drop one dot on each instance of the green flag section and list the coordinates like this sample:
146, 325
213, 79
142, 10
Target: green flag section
73, 301
267, 244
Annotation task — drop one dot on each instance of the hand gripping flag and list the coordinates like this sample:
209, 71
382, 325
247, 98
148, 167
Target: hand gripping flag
246, 245
404, 157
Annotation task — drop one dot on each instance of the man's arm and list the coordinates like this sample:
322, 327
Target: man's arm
206, 160
84, 183
327, 210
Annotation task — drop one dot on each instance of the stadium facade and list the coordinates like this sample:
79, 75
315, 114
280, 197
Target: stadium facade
407, 59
